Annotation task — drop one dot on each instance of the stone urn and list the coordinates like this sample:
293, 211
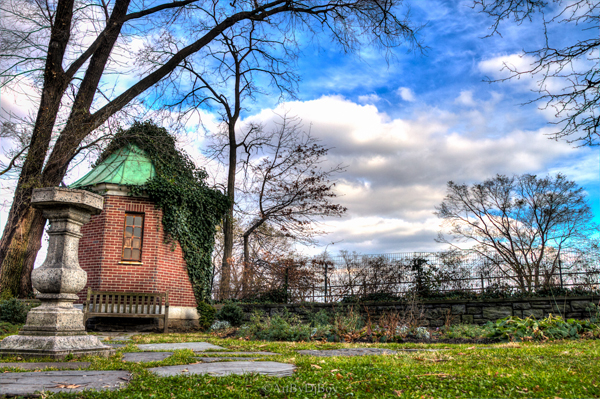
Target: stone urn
55, 328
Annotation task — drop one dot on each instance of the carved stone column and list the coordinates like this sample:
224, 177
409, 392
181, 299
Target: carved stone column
55, 328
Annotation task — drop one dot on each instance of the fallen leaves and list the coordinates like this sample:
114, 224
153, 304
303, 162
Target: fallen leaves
66, 385
316, 366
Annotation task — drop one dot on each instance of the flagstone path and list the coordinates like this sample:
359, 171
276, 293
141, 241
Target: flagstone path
274, 369
224, 363
26, 384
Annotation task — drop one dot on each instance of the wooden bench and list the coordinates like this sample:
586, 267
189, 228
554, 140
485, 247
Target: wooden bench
127, 304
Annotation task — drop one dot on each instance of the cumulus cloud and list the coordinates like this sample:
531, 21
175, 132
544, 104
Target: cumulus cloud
398, 168
406, 94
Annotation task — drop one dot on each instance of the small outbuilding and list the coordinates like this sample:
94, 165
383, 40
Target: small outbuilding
123, 249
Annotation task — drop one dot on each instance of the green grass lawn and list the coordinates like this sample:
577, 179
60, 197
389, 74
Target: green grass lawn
566, 369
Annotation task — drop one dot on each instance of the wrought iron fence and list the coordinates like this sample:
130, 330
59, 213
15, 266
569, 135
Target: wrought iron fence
333, 278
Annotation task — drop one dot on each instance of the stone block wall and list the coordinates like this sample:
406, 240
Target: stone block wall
438, 313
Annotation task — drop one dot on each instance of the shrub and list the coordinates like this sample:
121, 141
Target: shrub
552, 327
232, 313
220, 325
8, 328
206, 315
467, 331
279, 327
321, 318
13, 311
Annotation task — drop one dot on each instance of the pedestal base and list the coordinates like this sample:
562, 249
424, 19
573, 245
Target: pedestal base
55, 347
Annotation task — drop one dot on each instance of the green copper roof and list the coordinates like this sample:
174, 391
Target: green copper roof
129, 165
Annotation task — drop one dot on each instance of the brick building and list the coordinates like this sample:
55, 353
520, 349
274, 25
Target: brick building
123, 249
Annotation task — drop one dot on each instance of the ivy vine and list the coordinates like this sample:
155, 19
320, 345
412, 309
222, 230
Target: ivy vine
191, 209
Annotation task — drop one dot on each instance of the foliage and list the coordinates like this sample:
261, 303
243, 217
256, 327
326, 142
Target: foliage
279, 327
13, 311
220, 325
231, 313
206, 315
7, 328
191, 209
551, 328
465, 331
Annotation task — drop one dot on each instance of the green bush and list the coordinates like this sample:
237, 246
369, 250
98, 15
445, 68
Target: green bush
232, 313
206, 315
8, 328
279, 327
466, 331
321, 318
13, 311
552, 327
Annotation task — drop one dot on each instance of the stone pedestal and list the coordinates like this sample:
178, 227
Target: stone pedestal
55, 329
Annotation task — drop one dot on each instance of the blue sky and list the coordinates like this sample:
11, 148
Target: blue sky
407, 126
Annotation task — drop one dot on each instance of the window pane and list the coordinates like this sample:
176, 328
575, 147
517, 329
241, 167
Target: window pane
128, 231
137, 232
129, 221
136, 243
138, 221
127, 253
127, 243
135, 254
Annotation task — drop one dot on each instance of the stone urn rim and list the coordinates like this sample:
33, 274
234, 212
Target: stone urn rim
43, 198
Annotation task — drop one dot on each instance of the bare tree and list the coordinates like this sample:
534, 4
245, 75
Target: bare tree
574, 66
521, 223
290, 189
240, 59
67, 48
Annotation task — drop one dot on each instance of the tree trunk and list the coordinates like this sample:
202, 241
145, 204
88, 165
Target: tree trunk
246, 271
224, 284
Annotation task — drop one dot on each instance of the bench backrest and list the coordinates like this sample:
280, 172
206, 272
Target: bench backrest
126, 302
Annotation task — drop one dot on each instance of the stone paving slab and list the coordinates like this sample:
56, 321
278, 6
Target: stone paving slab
26, 384
241, 353
358, 351
195, 346
145, 356
43, 365
220, 359
114, 345
275, 369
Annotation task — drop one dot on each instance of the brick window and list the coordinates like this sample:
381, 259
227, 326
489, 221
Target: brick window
132, 237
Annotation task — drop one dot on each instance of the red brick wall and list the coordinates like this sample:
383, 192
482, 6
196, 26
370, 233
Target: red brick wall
162, 268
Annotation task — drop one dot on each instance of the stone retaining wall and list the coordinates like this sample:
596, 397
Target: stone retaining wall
452, 311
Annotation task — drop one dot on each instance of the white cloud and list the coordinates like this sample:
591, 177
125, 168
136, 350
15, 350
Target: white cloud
465, 98
398, 168
369, 99
406, 94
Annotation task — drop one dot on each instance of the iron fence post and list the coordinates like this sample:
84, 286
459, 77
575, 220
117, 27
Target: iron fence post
482, 282
560, 272
325, 295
